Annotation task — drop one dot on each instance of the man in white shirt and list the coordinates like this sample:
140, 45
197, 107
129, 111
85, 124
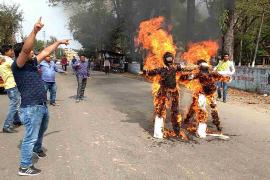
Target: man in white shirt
224, 67
107, 66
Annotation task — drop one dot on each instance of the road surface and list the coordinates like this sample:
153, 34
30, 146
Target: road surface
109, 136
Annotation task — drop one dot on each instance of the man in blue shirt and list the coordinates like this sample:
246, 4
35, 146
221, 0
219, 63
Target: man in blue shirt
48, 69
73, 61
82, 72
33, 110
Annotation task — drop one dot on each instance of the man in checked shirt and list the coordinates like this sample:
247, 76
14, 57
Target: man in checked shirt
82, 72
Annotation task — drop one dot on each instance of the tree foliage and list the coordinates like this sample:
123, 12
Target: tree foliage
112, 24
10, 18
250, 13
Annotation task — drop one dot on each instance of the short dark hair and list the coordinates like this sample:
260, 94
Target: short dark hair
18, 48
5, 48
226, 54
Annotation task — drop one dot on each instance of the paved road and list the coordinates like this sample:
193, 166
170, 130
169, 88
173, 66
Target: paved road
108, 136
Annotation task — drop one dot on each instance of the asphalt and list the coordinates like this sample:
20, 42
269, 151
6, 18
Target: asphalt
109, 136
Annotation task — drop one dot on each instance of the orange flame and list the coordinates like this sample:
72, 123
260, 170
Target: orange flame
153, 37
157, 41
201, 50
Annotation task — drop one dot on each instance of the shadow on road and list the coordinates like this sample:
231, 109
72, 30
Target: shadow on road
135, 100
3, 93
50, 133
72, 97
126, 96
47, 134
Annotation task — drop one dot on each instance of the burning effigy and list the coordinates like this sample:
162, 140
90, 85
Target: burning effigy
159, 67
203, 86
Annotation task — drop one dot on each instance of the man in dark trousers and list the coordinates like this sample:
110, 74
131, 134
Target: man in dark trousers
82, 72
64, 63
107, 66
73, 61
33, 111
48, 70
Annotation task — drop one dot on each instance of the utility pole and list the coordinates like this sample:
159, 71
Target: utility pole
44, 39
258, 40
21, 32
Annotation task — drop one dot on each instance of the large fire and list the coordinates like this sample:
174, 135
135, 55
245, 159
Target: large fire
202, 85
196, 51
157, 41
154, 36
201, 50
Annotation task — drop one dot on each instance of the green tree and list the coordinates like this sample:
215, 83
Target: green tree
10, 19
252, 30
39, 45
112, 24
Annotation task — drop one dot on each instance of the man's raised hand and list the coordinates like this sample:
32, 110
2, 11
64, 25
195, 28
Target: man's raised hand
64, 41
38, 26
48, 50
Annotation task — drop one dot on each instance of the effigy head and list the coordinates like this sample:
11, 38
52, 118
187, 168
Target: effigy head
168, 58
203, 66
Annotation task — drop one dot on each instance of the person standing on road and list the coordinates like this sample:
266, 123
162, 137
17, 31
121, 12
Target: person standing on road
92, 65
11, 89
224, 67
33, 110
73, 61
107, 66
213, 61
64, 63
82, 72
48, 69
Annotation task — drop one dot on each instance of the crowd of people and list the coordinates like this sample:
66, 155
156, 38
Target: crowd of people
28, 78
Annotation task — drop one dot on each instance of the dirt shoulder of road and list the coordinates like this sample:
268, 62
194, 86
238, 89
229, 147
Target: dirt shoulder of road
257, 101
260, 102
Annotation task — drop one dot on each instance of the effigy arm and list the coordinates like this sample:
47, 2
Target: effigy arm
153, 72
219, 77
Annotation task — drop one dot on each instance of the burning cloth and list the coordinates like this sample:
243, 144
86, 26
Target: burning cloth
203, 86
159, 67
203, 95
167, 91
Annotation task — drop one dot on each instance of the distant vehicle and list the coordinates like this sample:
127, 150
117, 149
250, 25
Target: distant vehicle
1, 85
117, 65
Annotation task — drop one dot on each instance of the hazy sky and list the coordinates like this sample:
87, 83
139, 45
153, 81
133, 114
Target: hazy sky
54, 18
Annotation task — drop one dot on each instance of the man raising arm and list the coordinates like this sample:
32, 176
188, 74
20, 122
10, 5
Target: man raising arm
33, 111
29, 43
